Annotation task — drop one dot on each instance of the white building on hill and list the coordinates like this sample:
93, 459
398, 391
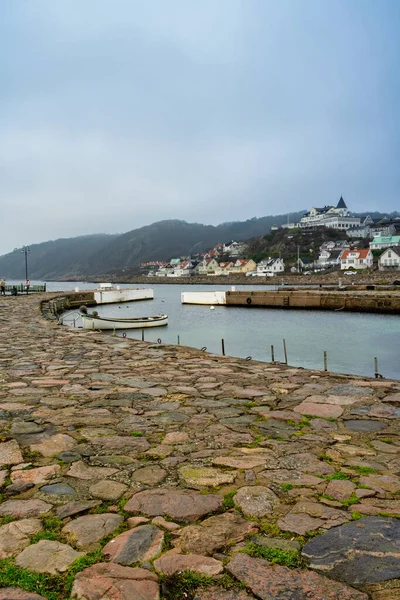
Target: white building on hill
335, 217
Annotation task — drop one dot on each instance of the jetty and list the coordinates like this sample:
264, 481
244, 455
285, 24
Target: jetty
140, 470
360, 299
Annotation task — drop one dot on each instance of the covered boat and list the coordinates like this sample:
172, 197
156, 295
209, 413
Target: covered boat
94, 321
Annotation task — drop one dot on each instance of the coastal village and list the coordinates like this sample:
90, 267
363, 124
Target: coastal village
368, 244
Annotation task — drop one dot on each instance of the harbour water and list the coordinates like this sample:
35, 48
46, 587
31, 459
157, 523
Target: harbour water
351, 340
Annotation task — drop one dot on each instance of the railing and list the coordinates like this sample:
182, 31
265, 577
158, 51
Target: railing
22, 289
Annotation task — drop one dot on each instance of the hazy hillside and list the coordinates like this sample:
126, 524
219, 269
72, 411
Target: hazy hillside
114, 256
98, 255
54, 259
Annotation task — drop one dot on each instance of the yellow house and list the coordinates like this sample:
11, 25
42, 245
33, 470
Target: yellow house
244, 266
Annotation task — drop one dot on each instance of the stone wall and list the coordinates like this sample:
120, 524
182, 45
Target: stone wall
358, 301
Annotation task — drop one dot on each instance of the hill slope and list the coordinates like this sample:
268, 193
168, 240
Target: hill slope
113, 255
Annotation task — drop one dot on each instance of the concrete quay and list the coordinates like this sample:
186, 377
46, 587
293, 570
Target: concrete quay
130, 470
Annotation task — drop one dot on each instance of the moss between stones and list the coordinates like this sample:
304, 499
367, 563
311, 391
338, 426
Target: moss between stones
275, 555
186, 584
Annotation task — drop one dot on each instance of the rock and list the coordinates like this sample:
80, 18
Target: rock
358, 553
10, 453
58, 489
203, 477
214, 533
382, 483
108, 490
54, 445
351, 450
340, 489
299, 524
135, 521
81, 470
351, 390
48, 556
272, 582
74, 508
384, 447
25, 427
24, 508
161, 522
280, 543
18, 488
14, 593
240, 462
15, 536
35, 476
327, 411
173, 562
68, 456
109, 580
330, 516
176, 437
85, 532
180, 505
363, 425
256, 500
136, 545
151, 476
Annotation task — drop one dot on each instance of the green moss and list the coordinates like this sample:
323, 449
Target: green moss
286, 486
351, 500
6, 519
335, 475
275, 555
325, 458
364, 470
355, 515
185, 584
228, 502
136, 434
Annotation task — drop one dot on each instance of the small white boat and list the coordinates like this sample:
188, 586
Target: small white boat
93, 321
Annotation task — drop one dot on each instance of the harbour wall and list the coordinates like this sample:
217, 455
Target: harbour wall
357, 301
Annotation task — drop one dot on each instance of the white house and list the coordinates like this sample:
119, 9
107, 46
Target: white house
356, 259
270, 266
390, 259
329, 258
234, 249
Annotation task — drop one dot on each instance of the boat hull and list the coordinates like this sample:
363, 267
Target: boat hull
90, 322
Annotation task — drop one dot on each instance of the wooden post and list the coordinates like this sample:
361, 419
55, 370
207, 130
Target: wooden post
272, 354
325, 361
223, 347
376, 366
142, 334
284, 350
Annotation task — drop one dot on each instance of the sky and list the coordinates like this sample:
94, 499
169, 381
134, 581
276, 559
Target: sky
115, 114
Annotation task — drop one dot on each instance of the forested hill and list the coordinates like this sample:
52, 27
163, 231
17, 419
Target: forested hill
121, 255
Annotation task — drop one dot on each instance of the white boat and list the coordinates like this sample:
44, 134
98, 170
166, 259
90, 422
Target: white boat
93, 321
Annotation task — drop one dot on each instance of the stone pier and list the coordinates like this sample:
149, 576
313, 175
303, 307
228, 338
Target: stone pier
130, 470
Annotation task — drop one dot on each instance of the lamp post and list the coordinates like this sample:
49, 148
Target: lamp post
25, 250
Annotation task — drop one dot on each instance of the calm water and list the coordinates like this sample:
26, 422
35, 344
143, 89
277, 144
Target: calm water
350, 339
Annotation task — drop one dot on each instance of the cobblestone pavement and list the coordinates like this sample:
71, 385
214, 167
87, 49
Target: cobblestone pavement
130, 470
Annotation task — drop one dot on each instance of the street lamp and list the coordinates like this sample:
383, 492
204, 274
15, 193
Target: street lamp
25, 250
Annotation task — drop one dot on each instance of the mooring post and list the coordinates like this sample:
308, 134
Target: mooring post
376, 367
142, 334
284, 350
223, 347
325, 361
272, 353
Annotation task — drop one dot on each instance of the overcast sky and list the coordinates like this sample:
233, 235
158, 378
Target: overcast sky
118, 113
